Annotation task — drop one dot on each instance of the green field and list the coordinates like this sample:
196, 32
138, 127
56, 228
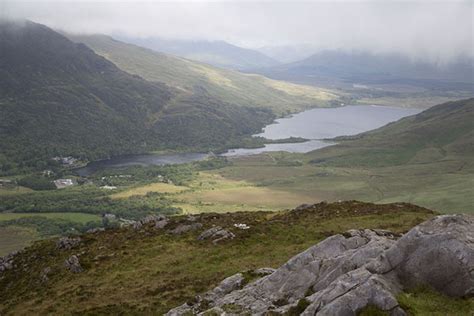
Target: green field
13, 238
439, 186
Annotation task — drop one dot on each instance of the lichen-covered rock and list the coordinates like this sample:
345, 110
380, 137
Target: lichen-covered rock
438, 253
73, 264
67, 243
344, 273
216, 234
353, 291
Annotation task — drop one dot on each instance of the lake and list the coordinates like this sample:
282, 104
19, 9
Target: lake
139, 160
314, 125
318, 124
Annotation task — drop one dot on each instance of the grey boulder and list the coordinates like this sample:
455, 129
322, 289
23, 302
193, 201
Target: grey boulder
67, 243
344, 273
216, 234
73, 264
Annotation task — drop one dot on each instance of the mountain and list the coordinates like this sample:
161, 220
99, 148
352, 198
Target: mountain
288, 53
59, 98
217, 53
366, 68
441, 134
197, 78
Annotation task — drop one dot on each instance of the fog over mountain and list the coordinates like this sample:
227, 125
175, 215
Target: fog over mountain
434, 31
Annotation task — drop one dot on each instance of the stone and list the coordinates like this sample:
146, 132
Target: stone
44, 274
161, 223
158, 222
73, 264
344, 273
67, 243
6, 263
216, 234
95, 230
263, 271
443, 247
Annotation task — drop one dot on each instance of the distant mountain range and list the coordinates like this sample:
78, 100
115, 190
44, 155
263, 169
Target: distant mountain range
217, 53
365, 68
288, 53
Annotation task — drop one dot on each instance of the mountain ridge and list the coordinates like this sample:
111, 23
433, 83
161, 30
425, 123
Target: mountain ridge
218, 53
195, 77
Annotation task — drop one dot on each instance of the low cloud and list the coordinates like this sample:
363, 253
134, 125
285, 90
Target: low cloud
435, 31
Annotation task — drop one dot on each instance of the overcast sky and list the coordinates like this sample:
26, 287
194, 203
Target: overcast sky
422, 29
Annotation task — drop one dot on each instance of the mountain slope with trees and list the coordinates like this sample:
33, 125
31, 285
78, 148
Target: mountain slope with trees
59, 98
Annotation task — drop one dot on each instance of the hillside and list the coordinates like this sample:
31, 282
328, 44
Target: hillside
364, 67
383, 79
217, 53
425, 159
149, 270
59, 98
442, 133
198, 78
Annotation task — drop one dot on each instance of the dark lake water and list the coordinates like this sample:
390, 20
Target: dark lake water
315, 124
139, 160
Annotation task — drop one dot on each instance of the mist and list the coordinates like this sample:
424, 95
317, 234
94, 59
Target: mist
438, 32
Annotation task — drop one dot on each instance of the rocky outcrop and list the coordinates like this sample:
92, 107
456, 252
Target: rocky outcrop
95, 230
73, 264
157, 221
216, 234
67, 243
344, 273
438, 253
6, 263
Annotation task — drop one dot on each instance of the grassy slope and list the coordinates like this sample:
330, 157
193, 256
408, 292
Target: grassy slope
440, 134
149, 272
227, 85
13, 238
425, 159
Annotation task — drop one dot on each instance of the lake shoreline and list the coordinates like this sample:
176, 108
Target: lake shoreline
301, 132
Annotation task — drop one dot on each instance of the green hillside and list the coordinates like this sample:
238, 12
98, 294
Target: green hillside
59, 98
194, 77
442, 133
426, 159
149, 271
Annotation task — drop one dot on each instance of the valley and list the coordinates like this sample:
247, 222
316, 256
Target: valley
149, 175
